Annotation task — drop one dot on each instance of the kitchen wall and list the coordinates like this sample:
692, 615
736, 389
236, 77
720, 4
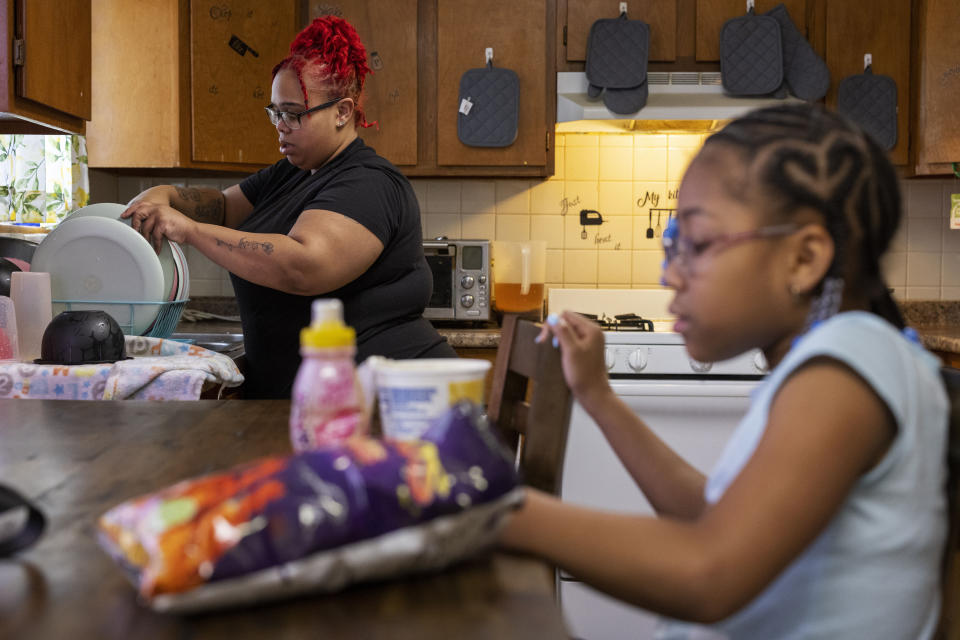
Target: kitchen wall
623, 176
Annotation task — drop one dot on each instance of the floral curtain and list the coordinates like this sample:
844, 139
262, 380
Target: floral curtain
42, 178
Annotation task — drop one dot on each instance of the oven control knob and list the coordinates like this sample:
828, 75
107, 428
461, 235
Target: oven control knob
760, 362
466, 300
637, 360
466, 282
609, 357
700, 367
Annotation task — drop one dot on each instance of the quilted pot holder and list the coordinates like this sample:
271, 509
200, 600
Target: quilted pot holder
805, 72
751, 55
626, 101
617, 51
489, 107
871, 101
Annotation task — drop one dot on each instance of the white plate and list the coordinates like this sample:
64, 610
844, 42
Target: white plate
99, 259
113, 211
183, 272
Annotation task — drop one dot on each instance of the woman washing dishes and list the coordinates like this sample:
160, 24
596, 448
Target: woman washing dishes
825, 516
330, 219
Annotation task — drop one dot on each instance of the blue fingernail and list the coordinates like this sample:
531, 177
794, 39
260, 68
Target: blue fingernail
556, 342
539, 338
553, 319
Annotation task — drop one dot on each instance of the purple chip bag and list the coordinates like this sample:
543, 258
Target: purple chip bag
316, 501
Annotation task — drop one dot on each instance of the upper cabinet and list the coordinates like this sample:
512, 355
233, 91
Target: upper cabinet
46, 74
937, 84
882, 30
419, 50
389, 32
183, 83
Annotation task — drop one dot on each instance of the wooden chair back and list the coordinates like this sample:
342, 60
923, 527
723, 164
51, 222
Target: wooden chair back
530, 402
950, 606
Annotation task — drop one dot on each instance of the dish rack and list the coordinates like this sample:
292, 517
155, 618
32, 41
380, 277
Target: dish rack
168, 316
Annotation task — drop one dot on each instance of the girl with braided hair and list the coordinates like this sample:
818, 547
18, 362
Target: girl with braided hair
825, 516
332, 218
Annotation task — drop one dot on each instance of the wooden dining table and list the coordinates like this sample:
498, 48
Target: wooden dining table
76, 459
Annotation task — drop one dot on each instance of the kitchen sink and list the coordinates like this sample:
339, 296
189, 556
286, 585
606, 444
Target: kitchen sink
230, 344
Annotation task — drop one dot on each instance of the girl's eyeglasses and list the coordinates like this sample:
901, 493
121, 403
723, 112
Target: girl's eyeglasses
683, 252
291, 119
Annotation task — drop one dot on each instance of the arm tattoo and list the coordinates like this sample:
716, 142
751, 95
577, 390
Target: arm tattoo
244, 244
203, 205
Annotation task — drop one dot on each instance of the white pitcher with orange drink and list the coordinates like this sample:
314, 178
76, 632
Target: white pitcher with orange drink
519, 274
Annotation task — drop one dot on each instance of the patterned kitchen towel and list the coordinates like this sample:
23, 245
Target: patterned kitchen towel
805, 73
159, 370
751, 55
168, 370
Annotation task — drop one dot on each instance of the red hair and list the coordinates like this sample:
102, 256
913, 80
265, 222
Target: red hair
331, 51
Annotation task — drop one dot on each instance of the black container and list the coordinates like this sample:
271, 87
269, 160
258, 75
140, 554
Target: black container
6, 268
82, 337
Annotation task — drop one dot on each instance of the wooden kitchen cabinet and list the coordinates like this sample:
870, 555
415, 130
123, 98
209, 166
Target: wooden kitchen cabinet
45, 72
661, 15
423, 47
183, 83
937, 86
389, 31
883, 30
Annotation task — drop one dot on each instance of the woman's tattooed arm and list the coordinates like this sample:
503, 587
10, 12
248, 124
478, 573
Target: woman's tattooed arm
202, 204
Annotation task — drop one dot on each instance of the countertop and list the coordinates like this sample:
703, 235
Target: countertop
937, 322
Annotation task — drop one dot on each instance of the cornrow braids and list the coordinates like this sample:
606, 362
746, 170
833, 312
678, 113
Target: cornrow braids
330, 48
806, 156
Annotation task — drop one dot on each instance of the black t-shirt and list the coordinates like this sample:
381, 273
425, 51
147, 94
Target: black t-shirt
385, 304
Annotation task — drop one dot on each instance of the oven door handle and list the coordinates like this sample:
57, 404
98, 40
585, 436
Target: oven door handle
683, 388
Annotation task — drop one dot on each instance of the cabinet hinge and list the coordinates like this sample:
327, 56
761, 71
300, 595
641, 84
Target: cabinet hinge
564, 35
19, 53
548, 141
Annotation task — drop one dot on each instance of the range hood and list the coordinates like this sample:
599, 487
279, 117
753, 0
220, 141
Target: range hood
686, 100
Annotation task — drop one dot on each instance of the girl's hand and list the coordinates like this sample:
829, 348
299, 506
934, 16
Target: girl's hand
156, 221
581, 347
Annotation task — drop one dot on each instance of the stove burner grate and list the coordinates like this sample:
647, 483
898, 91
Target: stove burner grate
622, 322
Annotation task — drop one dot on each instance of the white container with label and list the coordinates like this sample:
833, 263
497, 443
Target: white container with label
412, 393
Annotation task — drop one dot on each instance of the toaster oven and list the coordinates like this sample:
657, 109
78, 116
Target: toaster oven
461, 279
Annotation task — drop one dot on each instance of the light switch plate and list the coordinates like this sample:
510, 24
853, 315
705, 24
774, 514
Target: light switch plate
955, 210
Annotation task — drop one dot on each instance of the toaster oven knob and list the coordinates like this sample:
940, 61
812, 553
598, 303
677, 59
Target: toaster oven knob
466, 300
482, 279
609, 357
466, 282
700, 367
637, 360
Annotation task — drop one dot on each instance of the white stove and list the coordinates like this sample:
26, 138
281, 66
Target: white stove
692, 406
631, 351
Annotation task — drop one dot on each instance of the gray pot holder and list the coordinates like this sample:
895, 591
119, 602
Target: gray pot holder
626, 101
871, 101
616, 67
617, 51
489, 107
805, 72
751, 55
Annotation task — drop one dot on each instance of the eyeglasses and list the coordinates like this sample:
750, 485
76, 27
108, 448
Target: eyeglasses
683, 252
292, 119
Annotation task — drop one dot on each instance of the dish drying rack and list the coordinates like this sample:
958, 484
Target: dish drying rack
123, 311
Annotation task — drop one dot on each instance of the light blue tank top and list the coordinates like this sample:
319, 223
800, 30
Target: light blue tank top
873, 573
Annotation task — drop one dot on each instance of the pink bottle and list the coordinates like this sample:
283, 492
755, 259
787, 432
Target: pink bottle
327, 403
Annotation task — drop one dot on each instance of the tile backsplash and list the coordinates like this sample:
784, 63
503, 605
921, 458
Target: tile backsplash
632, 180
